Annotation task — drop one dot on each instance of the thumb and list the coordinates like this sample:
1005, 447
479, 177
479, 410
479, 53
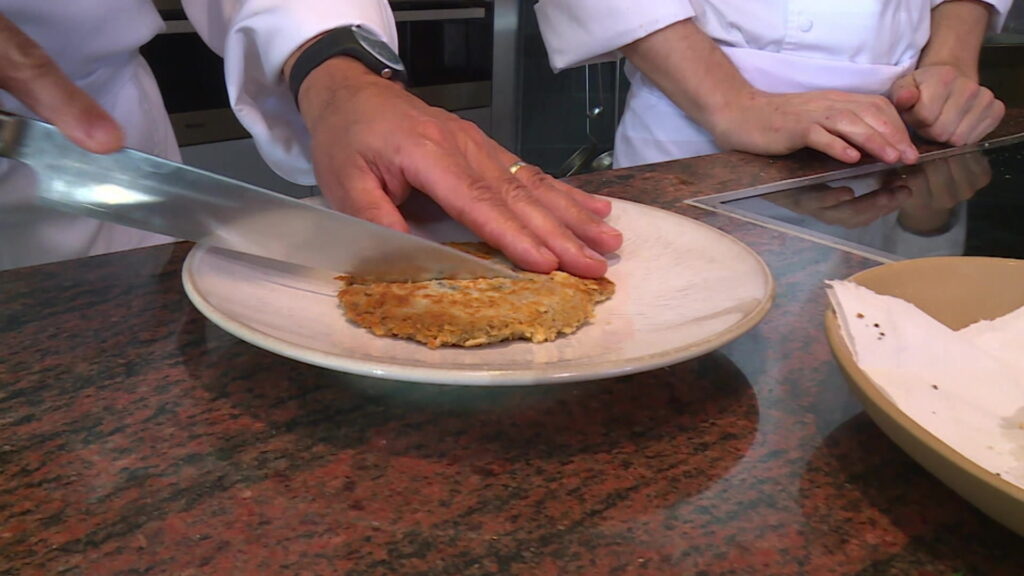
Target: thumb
904, 92
31, 76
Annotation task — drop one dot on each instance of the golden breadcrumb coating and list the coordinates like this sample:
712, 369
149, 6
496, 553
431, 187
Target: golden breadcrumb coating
535, 307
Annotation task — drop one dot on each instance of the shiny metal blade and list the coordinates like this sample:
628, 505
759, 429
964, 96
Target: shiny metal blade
150, 193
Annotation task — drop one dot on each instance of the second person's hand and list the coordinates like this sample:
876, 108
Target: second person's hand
947, 106
373, 142
694, 72
840, 124
31, 76
942, 99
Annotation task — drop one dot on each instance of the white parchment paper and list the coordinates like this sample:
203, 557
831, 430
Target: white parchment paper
966, 387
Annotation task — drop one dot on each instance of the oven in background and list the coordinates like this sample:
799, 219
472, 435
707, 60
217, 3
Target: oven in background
447, 46
191, 80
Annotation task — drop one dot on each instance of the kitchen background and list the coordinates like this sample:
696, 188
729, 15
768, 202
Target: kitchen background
483, 60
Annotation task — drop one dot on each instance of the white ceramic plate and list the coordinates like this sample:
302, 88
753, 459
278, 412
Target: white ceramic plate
682, 289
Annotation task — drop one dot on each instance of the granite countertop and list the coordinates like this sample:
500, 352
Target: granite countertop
137, 437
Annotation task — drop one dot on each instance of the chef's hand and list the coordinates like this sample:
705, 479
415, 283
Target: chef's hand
694, 72
373, 142
942, 98
937, 187
31, 76
946, 105
840, 124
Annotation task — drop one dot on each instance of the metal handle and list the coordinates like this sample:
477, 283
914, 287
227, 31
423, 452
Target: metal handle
10, 134
440, 14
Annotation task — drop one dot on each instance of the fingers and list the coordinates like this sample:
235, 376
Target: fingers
29, 74
993, 115
840, 124
905, 93
952, 111
507, 213
872, 125
354, 189
551, 217
981, 119
875, 127
953, 108
600, 207
822, 140
574, 208
471, 199
935, 84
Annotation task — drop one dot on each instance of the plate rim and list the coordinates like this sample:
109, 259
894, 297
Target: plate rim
537, 375
965, 475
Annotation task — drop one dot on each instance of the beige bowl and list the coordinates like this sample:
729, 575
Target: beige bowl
956, 291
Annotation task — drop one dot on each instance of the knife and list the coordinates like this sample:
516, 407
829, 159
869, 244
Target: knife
142, 191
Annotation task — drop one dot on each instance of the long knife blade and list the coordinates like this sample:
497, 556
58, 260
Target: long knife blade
142, 191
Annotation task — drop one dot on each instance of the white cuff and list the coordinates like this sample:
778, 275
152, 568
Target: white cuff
576, 32
256, 37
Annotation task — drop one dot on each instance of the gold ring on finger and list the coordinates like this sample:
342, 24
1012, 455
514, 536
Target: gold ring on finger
515, 167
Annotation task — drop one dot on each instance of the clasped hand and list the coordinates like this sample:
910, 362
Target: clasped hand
938, 102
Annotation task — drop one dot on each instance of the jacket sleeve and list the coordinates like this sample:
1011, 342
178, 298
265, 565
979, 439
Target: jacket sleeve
577, 32
1000, 8
255, 38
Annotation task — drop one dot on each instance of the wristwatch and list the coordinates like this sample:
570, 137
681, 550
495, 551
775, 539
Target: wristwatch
355, 41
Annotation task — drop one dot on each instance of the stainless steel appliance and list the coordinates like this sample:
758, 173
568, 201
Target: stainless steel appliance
447, 46
191, 79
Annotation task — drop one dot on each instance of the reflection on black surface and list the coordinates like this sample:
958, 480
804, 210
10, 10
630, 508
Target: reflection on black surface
967, 204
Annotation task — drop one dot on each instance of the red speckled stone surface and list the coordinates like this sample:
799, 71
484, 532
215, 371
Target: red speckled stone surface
136, 437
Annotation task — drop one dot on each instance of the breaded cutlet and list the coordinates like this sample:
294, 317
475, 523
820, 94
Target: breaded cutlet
535, 307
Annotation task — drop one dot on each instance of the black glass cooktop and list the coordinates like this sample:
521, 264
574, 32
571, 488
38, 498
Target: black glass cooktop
950, 204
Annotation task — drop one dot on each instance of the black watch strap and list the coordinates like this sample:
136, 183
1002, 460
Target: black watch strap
341, 42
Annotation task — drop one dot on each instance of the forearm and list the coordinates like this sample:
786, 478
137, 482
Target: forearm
698, 77
957, 32
689, 68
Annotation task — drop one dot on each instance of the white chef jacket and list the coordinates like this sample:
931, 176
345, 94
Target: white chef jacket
255, 37
96, 44
779, 46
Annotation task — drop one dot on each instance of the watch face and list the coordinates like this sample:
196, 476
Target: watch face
378, 47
